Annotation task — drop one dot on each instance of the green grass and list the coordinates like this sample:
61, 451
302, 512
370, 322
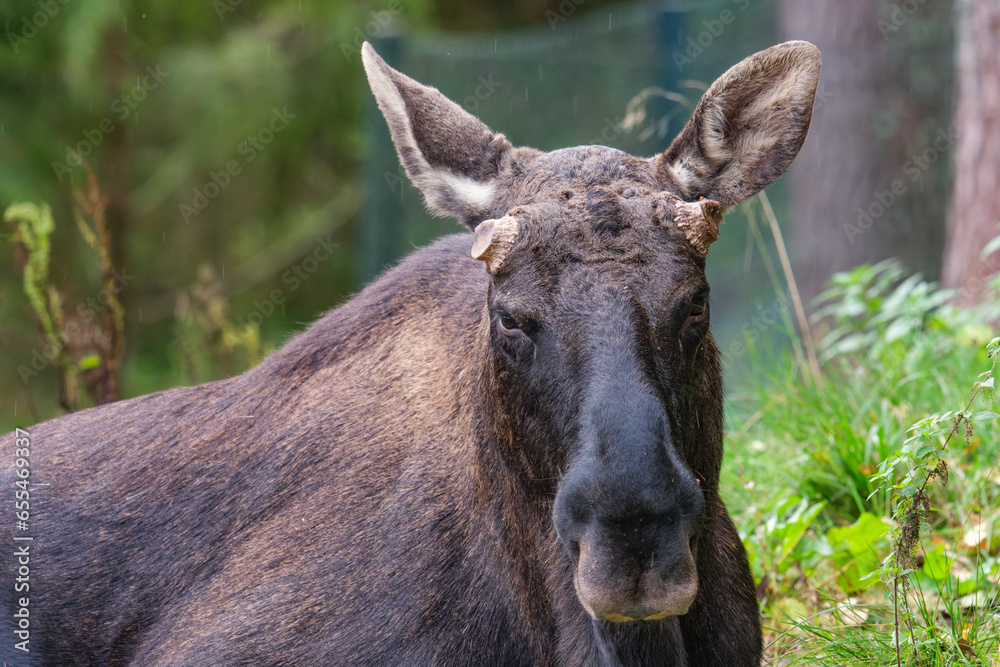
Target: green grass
802, 454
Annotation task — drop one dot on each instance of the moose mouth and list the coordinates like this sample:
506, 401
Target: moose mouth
611, 589
619, 618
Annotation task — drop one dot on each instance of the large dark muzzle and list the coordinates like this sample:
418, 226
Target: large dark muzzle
628, 511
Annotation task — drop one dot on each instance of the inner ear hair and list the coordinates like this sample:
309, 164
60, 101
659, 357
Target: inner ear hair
747, 128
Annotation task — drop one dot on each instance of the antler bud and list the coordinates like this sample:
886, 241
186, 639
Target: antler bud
494, 239
699, 221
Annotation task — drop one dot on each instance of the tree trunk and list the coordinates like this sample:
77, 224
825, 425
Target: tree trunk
860, 190
974, 212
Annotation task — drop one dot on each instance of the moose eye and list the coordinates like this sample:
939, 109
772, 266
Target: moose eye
508, 325
698, 310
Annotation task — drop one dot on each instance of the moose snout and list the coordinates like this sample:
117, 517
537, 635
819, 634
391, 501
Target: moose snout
633, 548
628, 509
611, 588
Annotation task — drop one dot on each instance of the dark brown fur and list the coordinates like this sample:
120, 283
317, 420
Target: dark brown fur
386, 489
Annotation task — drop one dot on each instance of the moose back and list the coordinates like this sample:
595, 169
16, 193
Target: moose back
504, 451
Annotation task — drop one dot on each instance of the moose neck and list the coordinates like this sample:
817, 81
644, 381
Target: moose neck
591, 642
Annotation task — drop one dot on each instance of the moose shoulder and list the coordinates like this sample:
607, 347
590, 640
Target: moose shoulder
505, 451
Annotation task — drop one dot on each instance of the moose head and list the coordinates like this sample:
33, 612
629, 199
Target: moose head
604, 382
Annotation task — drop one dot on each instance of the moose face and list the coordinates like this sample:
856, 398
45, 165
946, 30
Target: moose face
600, 333
605, 374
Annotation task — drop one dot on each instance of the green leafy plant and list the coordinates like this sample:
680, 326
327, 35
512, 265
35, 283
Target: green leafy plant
33, 226
866, 442
209, 343
923, 458
874, 313
85, 350
856, 550
781, 560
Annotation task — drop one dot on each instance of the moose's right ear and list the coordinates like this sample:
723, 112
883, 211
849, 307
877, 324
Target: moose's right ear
747, 127
448, 153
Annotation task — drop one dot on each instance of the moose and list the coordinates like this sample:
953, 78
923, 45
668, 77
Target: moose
504, 451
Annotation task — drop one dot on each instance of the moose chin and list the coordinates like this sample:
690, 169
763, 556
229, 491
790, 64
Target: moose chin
504, 451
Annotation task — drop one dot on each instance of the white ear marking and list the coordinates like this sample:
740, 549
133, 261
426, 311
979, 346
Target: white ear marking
394, 109
476, 194
447, 188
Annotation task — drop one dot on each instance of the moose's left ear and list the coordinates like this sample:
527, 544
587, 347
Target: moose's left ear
448, 153
747, 127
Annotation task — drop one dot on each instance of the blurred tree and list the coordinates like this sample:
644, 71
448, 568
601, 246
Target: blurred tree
862, 189
974, 212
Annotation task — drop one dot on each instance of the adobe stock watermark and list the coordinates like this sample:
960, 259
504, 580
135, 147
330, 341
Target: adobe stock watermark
223, 7
770, 317
823, 95
372, 29
714, 28
23, 538
124, 105
396, 179
565, 9
293, 278
912, 171
218, 181
75, 327
612, 130
899, 15
47, 10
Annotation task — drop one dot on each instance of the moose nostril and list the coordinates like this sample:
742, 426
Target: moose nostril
574, 549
